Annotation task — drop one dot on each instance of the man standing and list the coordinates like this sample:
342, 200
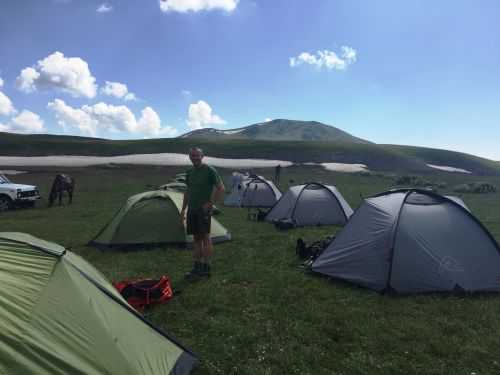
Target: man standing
277, 174
204, 187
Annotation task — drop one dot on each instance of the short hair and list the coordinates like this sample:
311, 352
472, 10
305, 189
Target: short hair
196, 149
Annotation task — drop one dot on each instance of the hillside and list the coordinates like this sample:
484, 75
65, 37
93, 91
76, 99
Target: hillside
475, 164
280, 130
391, 158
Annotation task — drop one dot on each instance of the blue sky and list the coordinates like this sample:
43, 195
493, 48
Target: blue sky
404, 72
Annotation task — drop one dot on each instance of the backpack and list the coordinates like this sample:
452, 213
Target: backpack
261, 215
314, 250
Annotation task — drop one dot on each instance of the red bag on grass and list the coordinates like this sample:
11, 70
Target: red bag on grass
142, 293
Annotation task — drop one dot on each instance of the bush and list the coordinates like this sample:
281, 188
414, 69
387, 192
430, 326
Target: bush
416, 181
476, 188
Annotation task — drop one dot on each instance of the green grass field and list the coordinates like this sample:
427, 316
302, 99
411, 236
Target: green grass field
258, 313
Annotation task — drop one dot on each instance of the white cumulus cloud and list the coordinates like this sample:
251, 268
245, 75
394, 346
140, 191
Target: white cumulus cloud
68, 117
349, 54
118, 90
104, 8
26, 80
25, 122
267, 119
102, 118
6, 106
184, 6
1, 82
69, 74
200, 115
326, 59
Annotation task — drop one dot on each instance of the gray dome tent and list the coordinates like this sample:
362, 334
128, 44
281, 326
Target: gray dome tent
311, 204
410, 241
259, 192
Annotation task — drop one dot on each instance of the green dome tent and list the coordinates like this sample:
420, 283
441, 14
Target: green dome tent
59, 315
151, 218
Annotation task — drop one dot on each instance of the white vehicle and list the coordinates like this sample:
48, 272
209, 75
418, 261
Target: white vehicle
12, 194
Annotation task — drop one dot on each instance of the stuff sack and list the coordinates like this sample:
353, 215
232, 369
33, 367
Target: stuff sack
142, 293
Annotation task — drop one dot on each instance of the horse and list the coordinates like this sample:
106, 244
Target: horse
62, 183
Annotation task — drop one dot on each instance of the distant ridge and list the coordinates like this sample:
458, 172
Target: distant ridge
377, 157
280, 130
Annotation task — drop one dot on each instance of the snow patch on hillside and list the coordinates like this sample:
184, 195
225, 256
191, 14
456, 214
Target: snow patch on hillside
11, 172
343, 167
139, 159
448, 169
167, 159
232, 131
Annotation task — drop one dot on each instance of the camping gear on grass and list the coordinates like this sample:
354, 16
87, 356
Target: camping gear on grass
311, 204
152, 218
143, 293
59, 315
413, 240
314, 250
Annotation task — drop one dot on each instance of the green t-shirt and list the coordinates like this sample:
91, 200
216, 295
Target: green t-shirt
200, 184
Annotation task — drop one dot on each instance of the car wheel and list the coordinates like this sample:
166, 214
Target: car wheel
5, 203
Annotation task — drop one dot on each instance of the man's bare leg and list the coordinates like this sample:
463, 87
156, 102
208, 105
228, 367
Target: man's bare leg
207, 251
207, 248
198, 248
197, 257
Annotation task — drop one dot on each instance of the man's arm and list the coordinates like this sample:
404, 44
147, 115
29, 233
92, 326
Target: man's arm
217, 193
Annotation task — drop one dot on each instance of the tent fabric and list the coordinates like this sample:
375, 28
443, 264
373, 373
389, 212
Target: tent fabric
175, 186
59, 315
152, 217
311, 204
458, 201
412, 241
259, 193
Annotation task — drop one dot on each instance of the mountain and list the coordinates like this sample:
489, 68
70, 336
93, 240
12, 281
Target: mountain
280, 130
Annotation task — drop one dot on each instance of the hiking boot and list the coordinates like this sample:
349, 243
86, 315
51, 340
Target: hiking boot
195, 273
204, 270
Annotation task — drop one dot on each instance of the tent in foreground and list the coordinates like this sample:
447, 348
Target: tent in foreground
259, 192
59, 315
311, 204
411, 241
152, 218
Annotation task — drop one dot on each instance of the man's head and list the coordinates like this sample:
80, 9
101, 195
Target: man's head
196, 156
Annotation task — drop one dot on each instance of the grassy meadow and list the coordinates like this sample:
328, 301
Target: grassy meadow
260, 314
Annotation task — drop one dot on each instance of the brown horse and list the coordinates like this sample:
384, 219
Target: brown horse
62, 183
